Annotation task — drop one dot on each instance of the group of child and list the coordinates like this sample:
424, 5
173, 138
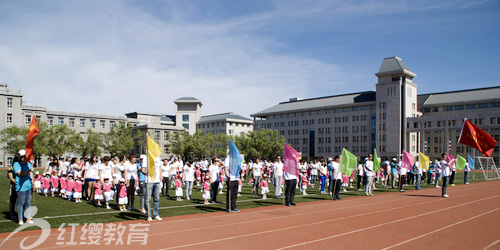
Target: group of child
66, 187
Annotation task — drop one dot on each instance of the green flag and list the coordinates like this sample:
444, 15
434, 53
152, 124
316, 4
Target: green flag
348, 162
376, 163
460, 162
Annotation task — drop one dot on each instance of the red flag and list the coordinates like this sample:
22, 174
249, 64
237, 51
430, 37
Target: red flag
290, 160
408, 160
33, 130
477, 138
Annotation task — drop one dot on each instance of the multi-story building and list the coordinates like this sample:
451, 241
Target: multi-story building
160, 127
226, 123
391, 119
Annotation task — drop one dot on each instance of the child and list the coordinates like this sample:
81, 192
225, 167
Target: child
108, 193
78, 189
240, 183
38, 182
221, 181
54, 183
122, 195
351, 179
206, 191
198, 176
304, 184
62, 182
345, 181
264, 189
178, 187
70, 186
98, 191
46, 184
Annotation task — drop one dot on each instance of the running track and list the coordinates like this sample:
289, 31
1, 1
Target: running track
469, 219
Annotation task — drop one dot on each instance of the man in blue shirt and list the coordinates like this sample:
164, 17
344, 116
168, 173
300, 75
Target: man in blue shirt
394, 172
23, 177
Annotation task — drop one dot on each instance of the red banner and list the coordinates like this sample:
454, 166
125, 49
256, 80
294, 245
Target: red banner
32, 132
477, 138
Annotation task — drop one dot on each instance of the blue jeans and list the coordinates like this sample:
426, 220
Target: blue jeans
189, 188
142, 191
466, 176
154, 190
23, 204
323, 182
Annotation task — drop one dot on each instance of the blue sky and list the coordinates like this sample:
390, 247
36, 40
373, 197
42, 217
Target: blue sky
115, 57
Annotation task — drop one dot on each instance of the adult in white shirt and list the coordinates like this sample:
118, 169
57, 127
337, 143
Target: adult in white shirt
278, 176
131, 180
337, 176
360, 174
90, 174
105, 169
188, 174
165, 175
402, 177
368, 167
232, 187
314, 172
153, 185
418, 173
257, 173
446, 173
323, 170
213, 172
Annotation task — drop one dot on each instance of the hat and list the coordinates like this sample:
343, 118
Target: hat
143, 157
394, 159
46, 173
37, 172
53, 171
330, 159
22, 152
122, 180
70, 175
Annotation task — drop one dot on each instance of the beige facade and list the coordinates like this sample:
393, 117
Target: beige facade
226, 123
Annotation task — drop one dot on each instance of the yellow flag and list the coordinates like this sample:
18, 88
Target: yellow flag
154, 151
424, 161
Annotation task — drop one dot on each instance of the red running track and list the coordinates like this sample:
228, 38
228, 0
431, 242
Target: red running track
412, 220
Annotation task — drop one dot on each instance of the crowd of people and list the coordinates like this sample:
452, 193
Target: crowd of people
116, 181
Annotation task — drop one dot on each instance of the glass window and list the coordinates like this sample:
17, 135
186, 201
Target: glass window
82, 123
448, 108
27, 119
92, 123
185, 118
60, 121
112, 124
50, 120
9, 118
9, 102
471, 106
102, 123
71, 122
483, 105
459, 107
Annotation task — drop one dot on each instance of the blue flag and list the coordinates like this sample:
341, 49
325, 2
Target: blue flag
234, 160
471, 162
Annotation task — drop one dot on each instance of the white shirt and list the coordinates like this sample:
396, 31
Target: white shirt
418, 170
445, 169
214, 173
257, 169
173, 167
226, 165
369, 168
188, 173
107, 171
361, 169
131, 169
278, 169
157, 174
336, 170
91, 171
165, 170
323, 169
314, 169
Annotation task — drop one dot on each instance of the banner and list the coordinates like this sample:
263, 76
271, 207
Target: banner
348, 162
290, 160
154, 151
408, 160
234, 160
30, 140
451, 161
424, 161
471, 162
460, 162
376, 162
477, 138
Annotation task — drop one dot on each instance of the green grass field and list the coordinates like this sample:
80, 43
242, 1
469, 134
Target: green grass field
58, 211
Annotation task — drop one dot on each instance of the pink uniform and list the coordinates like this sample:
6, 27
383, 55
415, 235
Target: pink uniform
304, 180
78, 186
206, 186
98, 188
263, 183
54, 181
178, 183
123, 191
107, 187
63, 183
46, 183
70, 185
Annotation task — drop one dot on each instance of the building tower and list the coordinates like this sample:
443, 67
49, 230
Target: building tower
188, 113
396, 100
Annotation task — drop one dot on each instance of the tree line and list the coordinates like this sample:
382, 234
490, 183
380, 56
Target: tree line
60, 140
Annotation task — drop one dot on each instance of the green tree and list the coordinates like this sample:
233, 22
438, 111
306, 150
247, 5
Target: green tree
56, 140
13, 139
121, 139
90, 144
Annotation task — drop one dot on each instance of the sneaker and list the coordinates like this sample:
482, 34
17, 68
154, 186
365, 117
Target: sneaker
21, 222
229, 211
236, 210
372, 195
452, 185
107, 207
288, 204
29, 222
466, 183
293, 203
367, 195
446, 196
149, 219
158, 218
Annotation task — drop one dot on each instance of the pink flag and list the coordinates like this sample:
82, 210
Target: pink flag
407, 161
290, 160
451, 160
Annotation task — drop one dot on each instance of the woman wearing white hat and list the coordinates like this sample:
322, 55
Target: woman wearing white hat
23, 176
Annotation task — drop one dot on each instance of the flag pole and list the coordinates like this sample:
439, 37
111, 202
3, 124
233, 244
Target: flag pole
147, 182
334, 187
